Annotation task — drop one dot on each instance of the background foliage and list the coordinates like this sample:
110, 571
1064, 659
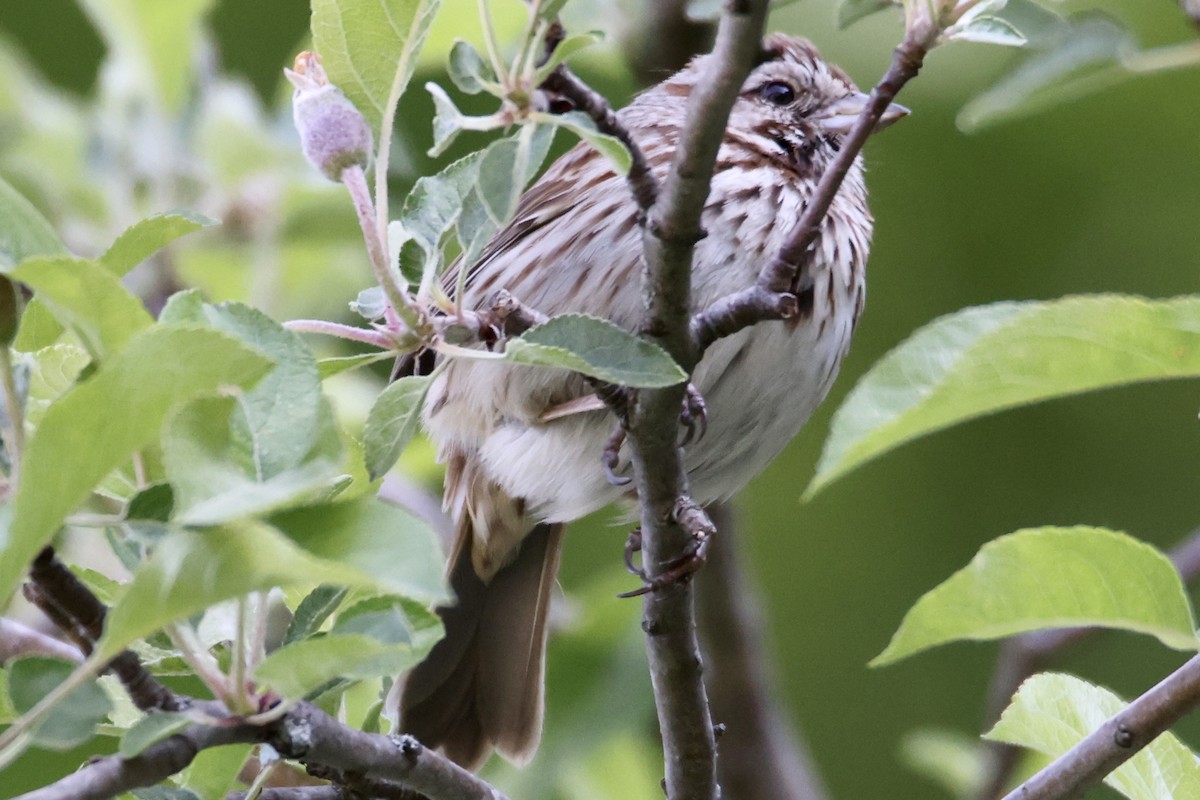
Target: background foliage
1098, 195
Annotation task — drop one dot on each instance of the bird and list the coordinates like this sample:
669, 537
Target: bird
520, 465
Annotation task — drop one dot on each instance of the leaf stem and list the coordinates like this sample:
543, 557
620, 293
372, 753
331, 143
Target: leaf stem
355, 181
348, 332
384, 151
493, 49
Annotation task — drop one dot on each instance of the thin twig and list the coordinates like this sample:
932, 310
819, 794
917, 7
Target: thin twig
1117, 740
668, 615
18, 640
640, 177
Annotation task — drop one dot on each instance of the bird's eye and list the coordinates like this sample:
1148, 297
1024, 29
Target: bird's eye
777, 93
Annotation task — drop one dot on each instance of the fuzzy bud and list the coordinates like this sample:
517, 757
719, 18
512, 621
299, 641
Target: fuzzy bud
333, 133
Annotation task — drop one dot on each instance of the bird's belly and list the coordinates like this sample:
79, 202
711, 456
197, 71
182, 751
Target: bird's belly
760, 386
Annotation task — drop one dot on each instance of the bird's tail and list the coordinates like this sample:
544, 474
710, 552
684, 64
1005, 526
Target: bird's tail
481, 687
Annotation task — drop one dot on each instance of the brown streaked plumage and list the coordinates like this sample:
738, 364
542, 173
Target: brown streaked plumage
515, 473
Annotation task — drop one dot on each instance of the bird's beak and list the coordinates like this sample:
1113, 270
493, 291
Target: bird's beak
839, 116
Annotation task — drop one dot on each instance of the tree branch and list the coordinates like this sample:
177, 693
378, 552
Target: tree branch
760, 755
74, 608
1022, 656
304, 733
20, 640
1117, 740
668, 615
641, 178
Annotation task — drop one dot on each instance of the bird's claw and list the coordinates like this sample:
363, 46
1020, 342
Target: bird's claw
611, 457
694, 415
678, 569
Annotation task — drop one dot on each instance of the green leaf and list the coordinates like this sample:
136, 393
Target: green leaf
507, 165
567, 48
851, 11
54, 371
328, 367
282, 417
154, 727
369, 48
153, 41
296, 670
95, 426
582, 126
73, 721
988, 30
598, 348
986, 359
205, 463
430, 210
314, 609
392, 422
146, 237
1052, 713
468, 70
24, 233
387, 640
236, 559
87, 298
1083, 57
399, 552
448, 121
213, 773
1052, 578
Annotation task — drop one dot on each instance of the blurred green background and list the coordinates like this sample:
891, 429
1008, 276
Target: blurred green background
1098, 195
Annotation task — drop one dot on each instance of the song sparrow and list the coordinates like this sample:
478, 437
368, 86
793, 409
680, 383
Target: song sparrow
513, 477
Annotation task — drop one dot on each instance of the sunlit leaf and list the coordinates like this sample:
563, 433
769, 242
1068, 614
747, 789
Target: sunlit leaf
385, 639
1052, 578
146, 237
191, 570
399, 552
95, 426
87, 298
990, 358
72, 721
369, 48
1052, 713
507, 165
595, 347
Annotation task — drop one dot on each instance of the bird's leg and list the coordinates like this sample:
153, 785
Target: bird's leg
612, 456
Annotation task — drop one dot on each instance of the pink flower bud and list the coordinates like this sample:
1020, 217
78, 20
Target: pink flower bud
333, 133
